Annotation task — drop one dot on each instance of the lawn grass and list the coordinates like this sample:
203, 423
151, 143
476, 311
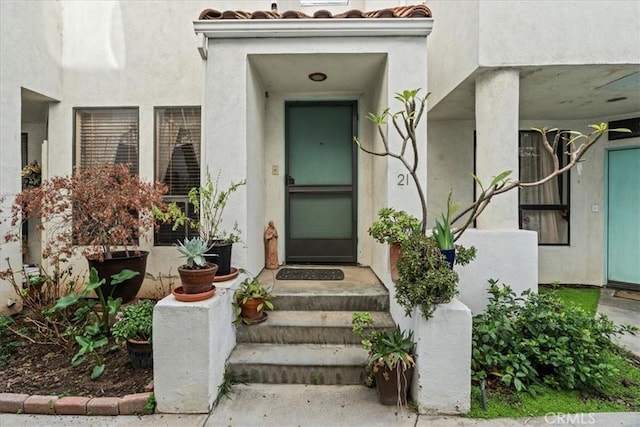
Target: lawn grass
619, 394
584, 298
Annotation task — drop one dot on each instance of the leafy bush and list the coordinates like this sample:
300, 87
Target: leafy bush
535, 339
426, 279
135, 321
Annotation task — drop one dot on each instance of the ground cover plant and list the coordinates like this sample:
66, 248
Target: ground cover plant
545, 354
32, 365
42, 348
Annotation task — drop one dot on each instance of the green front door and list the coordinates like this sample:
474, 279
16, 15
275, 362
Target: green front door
623, 239
320, 193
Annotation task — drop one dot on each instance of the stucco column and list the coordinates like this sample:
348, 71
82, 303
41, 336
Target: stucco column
497, 113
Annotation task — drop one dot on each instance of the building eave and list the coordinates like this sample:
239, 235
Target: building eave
304, 28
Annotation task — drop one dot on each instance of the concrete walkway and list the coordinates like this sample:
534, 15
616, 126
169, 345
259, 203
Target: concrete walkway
323, 406
622, 311
328, 406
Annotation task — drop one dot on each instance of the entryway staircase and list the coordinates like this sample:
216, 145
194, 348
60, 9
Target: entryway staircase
307, 339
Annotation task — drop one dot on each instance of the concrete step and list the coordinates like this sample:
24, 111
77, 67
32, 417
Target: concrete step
312, 327
317, 364
361, 290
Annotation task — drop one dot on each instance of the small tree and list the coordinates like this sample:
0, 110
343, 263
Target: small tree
100, 207
405, 122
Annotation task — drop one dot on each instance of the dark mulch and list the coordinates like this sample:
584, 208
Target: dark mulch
30, 368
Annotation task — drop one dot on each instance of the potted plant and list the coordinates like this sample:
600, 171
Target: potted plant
196, 274
251, 300
394, 227
391, 358
426, 278
209, 201
104, 210
443, 233
134, 325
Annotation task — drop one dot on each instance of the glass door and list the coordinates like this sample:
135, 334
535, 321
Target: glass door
320, 182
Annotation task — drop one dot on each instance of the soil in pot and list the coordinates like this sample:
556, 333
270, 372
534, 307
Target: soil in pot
195, 281
140, 354
128, 289
392, 385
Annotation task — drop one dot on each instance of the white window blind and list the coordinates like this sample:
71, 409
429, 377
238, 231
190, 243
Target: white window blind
106, 135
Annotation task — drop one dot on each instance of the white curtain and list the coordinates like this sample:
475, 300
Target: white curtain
535, 163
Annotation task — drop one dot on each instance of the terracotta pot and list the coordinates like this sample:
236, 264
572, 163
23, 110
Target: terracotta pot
140, 354
392, 385
394, 256
195, 281
128, 289
250, 308
179, 294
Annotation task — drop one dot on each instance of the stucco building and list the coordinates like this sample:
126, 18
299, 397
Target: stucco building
141, 81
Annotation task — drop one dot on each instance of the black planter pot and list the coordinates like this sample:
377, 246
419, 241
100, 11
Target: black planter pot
450, 255
223, 250
128, 289
392, 385
140, 354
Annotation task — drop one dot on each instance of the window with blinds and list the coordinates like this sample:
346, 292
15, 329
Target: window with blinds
177, 154
106, 135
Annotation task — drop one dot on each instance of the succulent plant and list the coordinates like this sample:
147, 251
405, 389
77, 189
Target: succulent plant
195, 251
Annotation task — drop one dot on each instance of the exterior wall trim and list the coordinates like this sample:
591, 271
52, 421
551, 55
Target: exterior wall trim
303, 28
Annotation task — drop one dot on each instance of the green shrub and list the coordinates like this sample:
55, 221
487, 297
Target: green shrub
135, 322
535, 338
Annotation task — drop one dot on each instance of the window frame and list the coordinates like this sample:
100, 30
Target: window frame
77, 144
562, 207
181, 199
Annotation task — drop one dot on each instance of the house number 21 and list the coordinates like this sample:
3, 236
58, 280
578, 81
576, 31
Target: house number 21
403, 179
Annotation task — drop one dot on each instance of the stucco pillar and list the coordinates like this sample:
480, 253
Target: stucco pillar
442, 379
497, 113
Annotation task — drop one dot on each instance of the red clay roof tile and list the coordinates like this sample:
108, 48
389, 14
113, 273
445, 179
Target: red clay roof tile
417, 11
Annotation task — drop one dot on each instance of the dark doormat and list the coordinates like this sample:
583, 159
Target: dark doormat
310, 274
627, 294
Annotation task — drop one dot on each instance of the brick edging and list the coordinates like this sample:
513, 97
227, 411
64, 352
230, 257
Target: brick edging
131, 404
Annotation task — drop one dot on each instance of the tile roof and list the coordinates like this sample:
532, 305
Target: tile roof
417, 11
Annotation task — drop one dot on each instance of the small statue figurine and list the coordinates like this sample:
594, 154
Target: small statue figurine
271, 247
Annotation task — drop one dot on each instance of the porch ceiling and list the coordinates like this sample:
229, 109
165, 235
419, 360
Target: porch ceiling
288, 73
563, 92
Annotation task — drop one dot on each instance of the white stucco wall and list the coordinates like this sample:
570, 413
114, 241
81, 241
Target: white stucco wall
31, 59
494, 33
572, 32
110, 60
450, 164
455, 31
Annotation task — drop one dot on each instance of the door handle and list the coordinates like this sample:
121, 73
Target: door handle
290, 180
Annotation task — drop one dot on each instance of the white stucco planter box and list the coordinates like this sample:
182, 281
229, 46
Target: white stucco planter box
191, 343
442, 379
